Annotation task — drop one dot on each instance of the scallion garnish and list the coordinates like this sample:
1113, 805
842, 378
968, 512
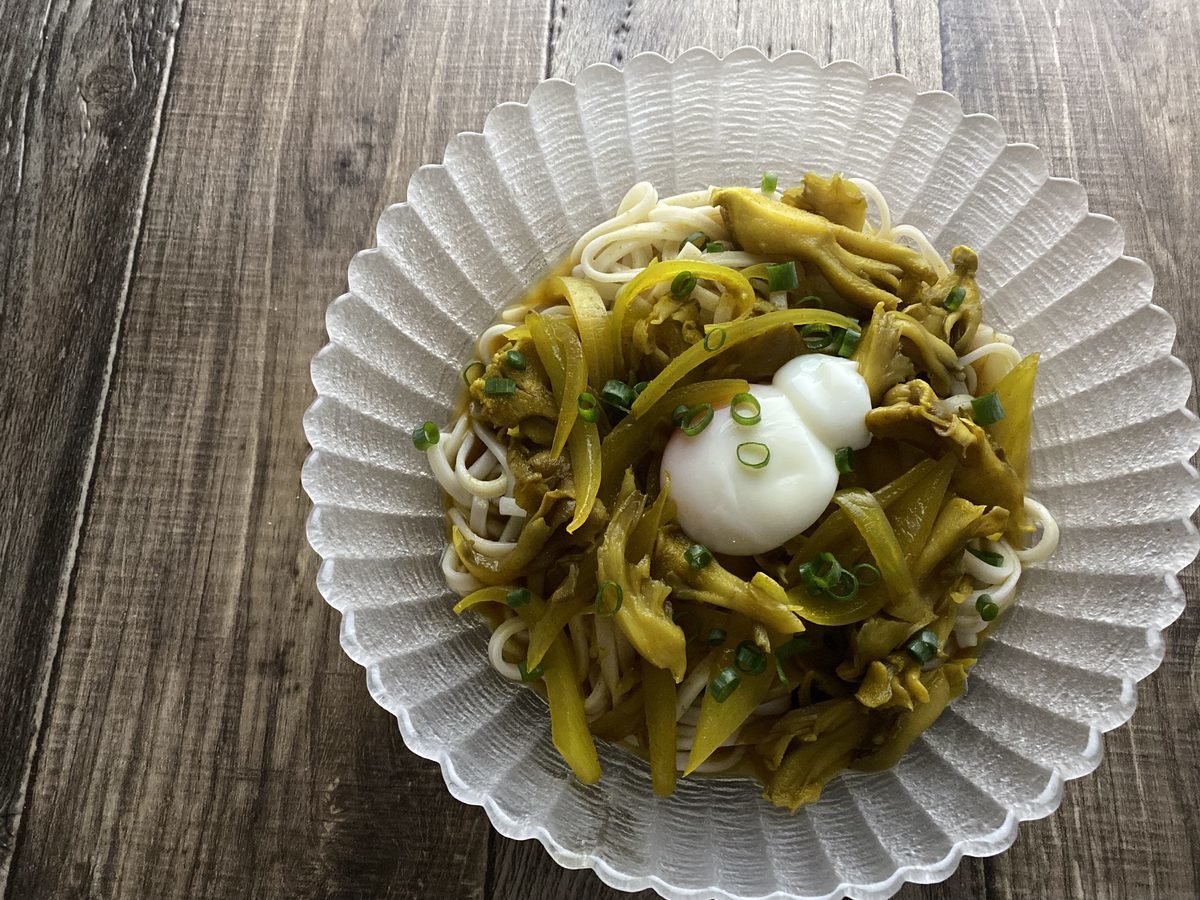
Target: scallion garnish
986, 410
618, 394
955, 298
987, 557
716, 637
588, 406
499, 387
923, 646
817, 337
609, 597
715, 339
753, 454
770, 181
425, 436
696, 419
866, 574
724, 683
531, 674
516, 360
679, 415
843, 458
714, 247
518, 597
698, 556
639, 387
986, 607
782, 277
849, 342
745, 409
682, 285
846, 587
812, 301
699, 238
749, 658
821, 573
471, 371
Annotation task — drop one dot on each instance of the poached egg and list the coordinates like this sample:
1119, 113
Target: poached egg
814, 405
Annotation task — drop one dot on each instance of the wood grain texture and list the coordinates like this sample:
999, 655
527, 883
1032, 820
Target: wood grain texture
80, 96
203, 735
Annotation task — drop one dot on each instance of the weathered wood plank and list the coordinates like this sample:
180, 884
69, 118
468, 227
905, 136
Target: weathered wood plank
81, 89
207, 736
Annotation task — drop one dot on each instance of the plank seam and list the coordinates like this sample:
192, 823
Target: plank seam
67, 578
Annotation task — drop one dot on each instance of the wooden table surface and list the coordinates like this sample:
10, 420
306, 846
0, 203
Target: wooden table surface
182, 183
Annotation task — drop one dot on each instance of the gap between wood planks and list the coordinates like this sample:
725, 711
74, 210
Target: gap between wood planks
67, 575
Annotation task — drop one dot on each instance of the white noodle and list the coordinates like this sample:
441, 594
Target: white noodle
499, 638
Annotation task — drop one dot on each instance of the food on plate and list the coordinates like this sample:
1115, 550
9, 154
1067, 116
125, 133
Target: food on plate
742, 486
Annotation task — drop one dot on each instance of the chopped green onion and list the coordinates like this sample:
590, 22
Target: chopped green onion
812, 301
986, 607
724, 683
609, 598
714, 247
849, 342
740, 401
679, 415
864, 570
425, 436
782, 277
699, 238
986, 410
682, 285
817, 580
531, 674
618, 394
987, 557
843, 458
516, 360
955, 298
716, 637
770, 181
639, 387
817, 337
790, 648
697, 419
749, 658
469, 374
849, 592
588, 406
715, 339
923, 646
753, 454
499, 387
698, 556
518, 597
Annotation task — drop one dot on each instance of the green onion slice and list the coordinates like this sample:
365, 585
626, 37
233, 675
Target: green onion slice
698, 556
843, 458
986, 607
955, 298
749, 658
699, 238
425, 436
782, 277
849, 342
821, 572
754, 454
846, 587
679, 415
518, 597
987, 557
716, 637
739, 405
588, 406
866, 574
770, 181
724, 683
715, 339
817, 337
696, 419
609, 598
682, 285
923, 646
618, 394
986, 410
531, 674
516, 360
714, 247
639, 387
499, 387
812, 301
472, 371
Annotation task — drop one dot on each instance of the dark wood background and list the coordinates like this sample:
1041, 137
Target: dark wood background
182, 183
